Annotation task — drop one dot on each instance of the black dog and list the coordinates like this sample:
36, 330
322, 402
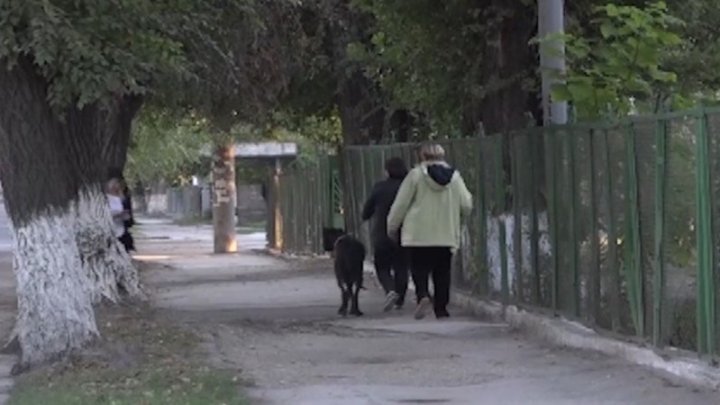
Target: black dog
349, 256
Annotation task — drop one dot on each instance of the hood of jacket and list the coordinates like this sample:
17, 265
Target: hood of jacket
438, 174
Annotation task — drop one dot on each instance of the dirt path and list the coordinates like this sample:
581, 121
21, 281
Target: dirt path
275, 321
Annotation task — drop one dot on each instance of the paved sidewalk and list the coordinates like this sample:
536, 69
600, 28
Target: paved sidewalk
274, 320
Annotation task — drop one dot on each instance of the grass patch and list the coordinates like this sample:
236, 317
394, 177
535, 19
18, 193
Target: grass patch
140, 360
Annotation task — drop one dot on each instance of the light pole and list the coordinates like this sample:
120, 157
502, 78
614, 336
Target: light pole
551, 21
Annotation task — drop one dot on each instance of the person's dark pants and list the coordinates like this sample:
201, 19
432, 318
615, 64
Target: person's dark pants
391, 266
435, 261
127, 241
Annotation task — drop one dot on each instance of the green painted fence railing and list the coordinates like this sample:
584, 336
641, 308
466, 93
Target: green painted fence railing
612, 224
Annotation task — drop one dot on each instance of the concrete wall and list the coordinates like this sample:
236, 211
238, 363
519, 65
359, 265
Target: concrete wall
251, 207
195, 202
184, 202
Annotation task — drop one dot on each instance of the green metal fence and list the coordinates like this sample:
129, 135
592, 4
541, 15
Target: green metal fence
613, 225
309, 200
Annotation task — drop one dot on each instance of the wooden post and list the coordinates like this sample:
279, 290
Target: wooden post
224, 199
277, 212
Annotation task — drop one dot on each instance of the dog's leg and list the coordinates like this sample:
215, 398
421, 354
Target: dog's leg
345, 298
355, 309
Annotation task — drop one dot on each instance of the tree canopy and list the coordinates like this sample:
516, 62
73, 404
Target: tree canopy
90, 50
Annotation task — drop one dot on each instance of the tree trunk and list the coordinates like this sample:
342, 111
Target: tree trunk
361, 115
109, 267
55, 311
118, 130
277, 215
224, 199
105, 260
511, 64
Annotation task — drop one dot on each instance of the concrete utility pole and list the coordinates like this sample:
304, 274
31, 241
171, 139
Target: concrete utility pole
551, 20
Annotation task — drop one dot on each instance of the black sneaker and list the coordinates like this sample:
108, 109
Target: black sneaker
442, 314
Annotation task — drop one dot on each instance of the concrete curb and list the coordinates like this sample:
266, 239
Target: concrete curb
562, 332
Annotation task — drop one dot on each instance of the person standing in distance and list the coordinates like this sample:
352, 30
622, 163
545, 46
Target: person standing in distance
429, 208
391, 262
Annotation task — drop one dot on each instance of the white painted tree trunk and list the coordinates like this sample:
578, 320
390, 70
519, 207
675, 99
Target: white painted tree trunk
55, 312
103, 257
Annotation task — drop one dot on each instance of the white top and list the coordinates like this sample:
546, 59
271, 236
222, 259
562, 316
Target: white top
116, 210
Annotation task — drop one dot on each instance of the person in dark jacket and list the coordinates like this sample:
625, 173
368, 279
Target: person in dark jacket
391, 260
126, 238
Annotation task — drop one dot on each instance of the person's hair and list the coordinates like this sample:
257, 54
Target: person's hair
114, 186
396, 168
431, 151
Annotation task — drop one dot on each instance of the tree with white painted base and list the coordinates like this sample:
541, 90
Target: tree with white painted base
55, 311
62, 65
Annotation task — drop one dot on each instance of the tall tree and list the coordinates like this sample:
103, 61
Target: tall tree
71, 71
466, 65
243, 56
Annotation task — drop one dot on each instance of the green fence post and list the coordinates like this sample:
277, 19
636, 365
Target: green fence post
500, 203
551, 146
572, 216
633, 253
612, 255
594, 310
660, 188
480, 197
534, 225
706, 282
517, 219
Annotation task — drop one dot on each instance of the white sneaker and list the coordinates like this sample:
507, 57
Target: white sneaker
390, 300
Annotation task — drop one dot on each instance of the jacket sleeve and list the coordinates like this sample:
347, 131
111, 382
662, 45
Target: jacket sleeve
466, 203
369, 207
115, 204
402, 202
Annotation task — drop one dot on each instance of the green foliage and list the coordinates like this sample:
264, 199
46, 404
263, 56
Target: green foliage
434, 57
698, 58
323, 131
167, 148
90, 50
242, 57
623, 65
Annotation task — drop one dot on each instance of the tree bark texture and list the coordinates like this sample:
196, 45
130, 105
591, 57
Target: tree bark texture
361, 114
224, 199
277, 214
361, 108
109, 267
118, 119
508, 65
55, 311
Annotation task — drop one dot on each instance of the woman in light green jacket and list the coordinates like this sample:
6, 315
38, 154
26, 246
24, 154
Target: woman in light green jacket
428, 210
